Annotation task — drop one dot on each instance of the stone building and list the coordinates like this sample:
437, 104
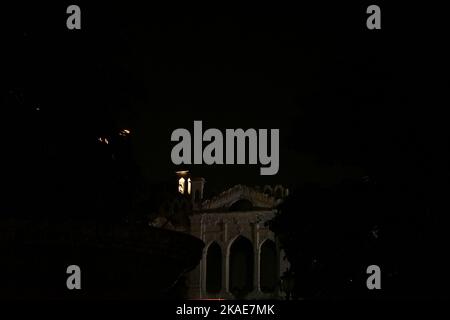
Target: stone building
241, 258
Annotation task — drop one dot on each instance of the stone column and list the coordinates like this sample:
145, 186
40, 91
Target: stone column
225, 262
257, 269
226, 273
202, 262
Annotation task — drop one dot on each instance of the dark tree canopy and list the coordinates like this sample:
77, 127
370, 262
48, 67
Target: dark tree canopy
331, 235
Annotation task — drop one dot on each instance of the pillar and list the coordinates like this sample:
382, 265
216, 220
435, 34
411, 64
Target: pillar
256, 265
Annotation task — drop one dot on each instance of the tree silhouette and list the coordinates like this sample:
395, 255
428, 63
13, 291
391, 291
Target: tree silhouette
331, 235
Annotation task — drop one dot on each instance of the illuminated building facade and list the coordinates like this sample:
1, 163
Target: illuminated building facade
241, 258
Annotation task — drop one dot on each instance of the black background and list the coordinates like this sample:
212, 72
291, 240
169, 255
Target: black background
349, 102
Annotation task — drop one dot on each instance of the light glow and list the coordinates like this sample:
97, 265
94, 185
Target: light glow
181, 185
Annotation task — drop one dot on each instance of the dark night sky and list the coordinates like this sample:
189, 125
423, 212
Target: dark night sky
349, 102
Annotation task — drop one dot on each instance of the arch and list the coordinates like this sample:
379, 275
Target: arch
241, 205
181, 185
268, 276
268, 190
213, 268
278, 192
241, 267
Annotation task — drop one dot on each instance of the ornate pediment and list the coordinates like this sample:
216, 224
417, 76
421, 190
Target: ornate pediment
226, 199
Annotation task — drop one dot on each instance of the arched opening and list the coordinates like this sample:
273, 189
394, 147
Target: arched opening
268, 266
214, 268
181, 182
241, 267
279, 193
241, 205
267, 191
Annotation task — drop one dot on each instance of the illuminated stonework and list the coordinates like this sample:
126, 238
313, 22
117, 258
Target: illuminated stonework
241, 258
181, 182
